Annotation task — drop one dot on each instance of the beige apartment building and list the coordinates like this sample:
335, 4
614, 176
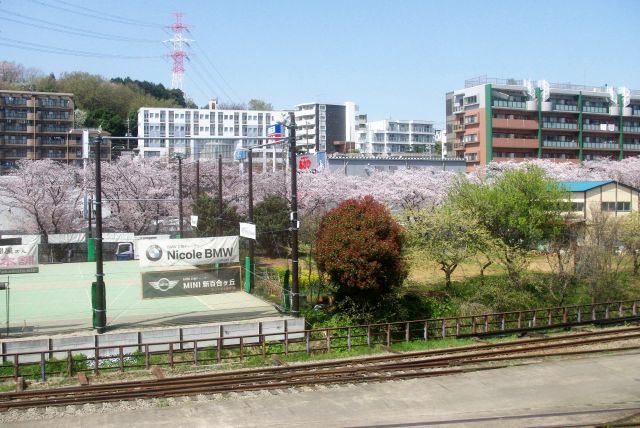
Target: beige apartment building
39, 125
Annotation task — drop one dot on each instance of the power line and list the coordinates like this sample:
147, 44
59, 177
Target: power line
98, 15
62, 51
52, 26
204, 54
206, 81
134, 21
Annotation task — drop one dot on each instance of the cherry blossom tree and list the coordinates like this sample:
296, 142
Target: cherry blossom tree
46, 194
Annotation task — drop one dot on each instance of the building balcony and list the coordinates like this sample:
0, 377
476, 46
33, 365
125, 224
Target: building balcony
635, 112
515, 143
601, 146
59, 118
458, 109
631, 147
458, 127
632, 129
565, 107
520, 124
13, 128
595, 109
560, 144
560, 125
600, 127
33, 156
458, 146
509, 104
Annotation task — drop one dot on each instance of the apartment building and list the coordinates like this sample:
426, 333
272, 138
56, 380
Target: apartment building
508, 119
322, 127
396, 136
206, 132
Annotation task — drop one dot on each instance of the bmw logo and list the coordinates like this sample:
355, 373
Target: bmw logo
154, 253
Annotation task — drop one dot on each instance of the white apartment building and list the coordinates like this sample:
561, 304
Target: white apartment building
396, 136
324, 127
207, 132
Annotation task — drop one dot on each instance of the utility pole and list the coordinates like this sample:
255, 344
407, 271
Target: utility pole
295, 304
180, 194
220, 194
197, 178
252, 244
100, 310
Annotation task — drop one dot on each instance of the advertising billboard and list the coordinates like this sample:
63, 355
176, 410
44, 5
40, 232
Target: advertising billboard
193, 282
18, 259
189, 252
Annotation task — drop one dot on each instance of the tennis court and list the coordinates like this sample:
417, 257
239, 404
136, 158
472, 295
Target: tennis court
58, 299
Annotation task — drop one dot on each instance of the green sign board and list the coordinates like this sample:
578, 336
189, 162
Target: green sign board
192, 282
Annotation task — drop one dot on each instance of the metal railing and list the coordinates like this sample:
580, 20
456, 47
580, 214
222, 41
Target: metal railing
219, 349
509, 104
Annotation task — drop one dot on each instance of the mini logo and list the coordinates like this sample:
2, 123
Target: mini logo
154, 253
163, 284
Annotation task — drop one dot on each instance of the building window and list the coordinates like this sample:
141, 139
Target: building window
609, 206
577, 206
623, 206
471, 100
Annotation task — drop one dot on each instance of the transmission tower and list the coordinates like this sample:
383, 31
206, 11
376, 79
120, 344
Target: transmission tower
178, 43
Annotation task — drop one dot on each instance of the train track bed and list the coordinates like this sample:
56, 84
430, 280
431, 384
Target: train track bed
321, 374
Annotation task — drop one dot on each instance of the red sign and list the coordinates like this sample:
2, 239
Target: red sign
304, 162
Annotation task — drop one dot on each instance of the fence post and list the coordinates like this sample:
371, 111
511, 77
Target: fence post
327, 333
486, 323
219, 343
606, 312
593, 313
533, 321
444, 328
349, 339
43, 371
195, 352
473, 325
549, 317
426, 330
242, 349
146, 356
519, 319
502, 323
407, 332
634, 309
307, 339
286, 338
564, 315
457, 326
16, 366
180, 338
50, 348
171, 354
579, 314
121, 355
388, 334
96, 358
620, 310
69, 364
369, 336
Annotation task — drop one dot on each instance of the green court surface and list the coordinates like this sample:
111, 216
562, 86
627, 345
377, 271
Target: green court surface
58, 299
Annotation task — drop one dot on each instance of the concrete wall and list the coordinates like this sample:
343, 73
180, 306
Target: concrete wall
365, 166
206, 335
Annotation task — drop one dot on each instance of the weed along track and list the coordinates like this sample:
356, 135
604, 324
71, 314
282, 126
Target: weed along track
347, 371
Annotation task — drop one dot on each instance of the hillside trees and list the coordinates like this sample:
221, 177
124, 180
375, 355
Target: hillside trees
210, 222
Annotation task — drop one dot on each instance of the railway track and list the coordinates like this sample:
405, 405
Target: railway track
429, 363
